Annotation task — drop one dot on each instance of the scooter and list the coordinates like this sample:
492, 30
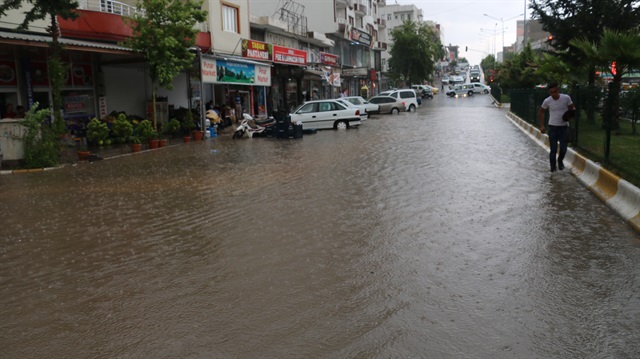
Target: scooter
254, 128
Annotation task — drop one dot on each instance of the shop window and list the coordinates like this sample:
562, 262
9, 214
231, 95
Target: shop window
230, 19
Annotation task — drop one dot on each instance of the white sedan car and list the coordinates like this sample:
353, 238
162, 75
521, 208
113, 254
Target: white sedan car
358, 100
363, 110
326, 114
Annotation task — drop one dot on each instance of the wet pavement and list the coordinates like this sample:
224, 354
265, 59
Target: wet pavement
436, 234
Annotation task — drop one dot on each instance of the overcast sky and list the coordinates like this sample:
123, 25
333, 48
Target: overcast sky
464, 24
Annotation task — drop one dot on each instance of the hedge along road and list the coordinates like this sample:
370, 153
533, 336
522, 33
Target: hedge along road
438, 233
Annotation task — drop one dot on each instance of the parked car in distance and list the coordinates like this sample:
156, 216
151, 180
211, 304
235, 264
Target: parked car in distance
326, 114
461, 90
363, 111
445, 79
456, 80
423, 91
434, 89
388, 104
358, 100
407, 96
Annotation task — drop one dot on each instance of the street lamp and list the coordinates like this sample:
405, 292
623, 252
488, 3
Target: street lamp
502, 21
493, 39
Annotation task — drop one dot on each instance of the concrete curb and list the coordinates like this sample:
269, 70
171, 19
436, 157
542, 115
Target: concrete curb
617, 193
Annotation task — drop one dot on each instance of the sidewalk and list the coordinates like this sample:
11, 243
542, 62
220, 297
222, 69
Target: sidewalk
617, 193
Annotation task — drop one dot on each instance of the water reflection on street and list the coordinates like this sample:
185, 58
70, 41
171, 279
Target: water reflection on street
436, 234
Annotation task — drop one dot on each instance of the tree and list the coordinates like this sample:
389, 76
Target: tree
40, 10
164, 34
566, 18
621, 48
520, 70
414, 51
630, 104
552, 69
488, 62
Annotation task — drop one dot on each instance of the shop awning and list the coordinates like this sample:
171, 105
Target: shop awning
25, 39
236, 59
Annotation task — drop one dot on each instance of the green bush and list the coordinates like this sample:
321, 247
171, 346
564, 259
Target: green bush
97, 131
145, 131
41, 145
122, 128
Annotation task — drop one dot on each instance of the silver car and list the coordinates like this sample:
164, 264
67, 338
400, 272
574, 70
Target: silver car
388, 104
358, 100
325, 114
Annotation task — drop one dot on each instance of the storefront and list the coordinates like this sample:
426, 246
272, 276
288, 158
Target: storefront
287, 89
323, 81
229, 82
24, 80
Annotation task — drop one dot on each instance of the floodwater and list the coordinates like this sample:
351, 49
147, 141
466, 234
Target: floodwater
436, 234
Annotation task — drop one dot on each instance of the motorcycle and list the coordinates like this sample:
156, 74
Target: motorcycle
254, 128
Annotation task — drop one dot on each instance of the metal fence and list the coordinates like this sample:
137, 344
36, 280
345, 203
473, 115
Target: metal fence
617, 148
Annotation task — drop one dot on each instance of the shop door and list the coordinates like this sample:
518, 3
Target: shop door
245, 100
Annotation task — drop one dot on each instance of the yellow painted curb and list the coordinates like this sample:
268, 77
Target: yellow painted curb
618, 194
606, 185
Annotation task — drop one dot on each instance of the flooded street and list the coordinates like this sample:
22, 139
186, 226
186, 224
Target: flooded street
436, 234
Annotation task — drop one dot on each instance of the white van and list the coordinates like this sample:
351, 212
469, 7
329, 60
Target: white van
463, 90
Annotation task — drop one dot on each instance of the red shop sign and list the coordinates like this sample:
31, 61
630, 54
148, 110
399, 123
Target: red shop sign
286, 55
328, 59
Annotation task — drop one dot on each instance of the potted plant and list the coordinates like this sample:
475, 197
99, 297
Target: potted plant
122, 128
97, 131
162, 134
187, 126
173, 127
145, 131
136, 145
83, 152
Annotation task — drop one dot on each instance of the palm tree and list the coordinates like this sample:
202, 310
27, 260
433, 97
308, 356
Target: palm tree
621, 48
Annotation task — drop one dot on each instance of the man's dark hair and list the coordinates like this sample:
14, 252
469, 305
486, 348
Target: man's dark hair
552, 85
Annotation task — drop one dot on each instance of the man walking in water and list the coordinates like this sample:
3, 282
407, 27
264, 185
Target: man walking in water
557, 104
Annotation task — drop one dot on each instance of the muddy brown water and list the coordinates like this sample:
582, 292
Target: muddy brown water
437, 234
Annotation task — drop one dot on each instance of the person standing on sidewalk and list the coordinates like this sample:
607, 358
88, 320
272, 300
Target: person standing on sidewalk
557, 104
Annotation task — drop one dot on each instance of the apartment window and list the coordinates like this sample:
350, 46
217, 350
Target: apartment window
402, 17
351, 20
230, 19
409, 17
388, 17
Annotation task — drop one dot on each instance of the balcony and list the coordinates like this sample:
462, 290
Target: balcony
380, 46
382, 3
360, 9
382, 23
341, 4
109, 6
102, 20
